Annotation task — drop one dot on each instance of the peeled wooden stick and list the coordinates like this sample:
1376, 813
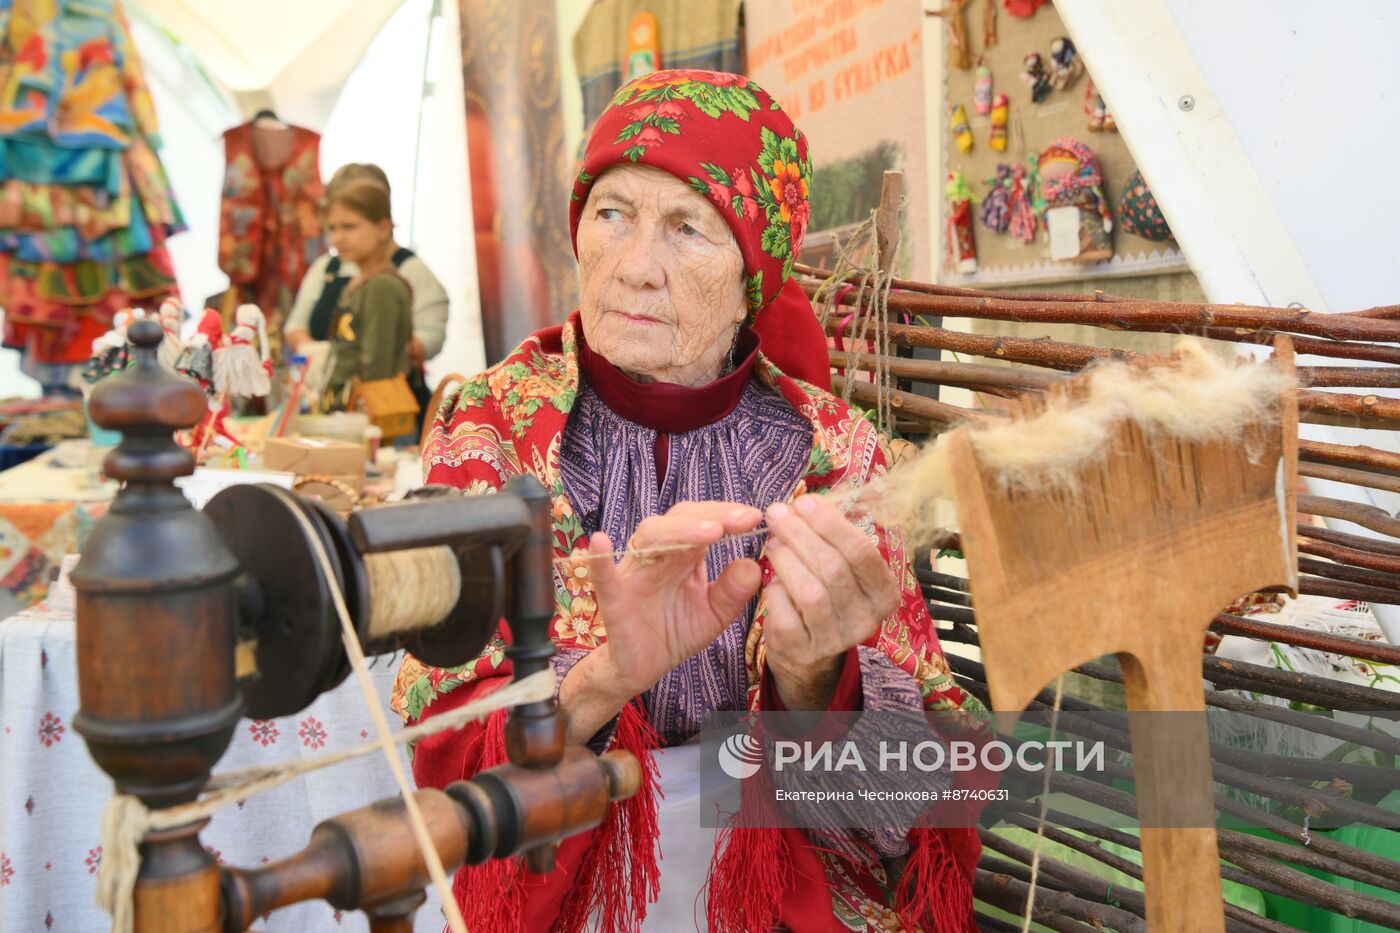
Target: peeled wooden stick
947, 372
1041, 352
1318, 451
1367, 516
1364, 478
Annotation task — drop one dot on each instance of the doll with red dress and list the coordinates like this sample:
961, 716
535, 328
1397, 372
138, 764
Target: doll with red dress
196, 360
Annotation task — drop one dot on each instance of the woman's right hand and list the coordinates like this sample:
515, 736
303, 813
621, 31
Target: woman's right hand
661, 609
658, 609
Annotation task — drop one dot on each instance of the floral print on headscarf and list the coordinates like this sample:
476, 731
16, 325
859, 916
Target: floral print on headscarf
728, 139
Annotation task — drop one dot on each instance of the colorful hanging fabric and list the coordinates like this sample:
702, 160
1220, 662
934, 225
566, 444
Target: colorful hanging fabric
66, 244
85, 205
43, 162
270, 228
69, 74
996, 206
92, 211
53, 332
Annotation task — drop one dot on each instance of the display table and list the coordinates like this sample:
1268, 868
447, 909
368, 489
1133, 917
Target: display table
52, 794
47, 507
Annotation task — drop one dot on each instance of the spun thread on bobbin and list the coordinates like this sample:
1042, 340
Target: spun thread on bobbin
411, 589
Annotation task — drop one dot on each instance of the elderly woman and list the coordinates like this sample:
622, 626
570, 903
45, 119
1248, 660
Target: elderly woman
666, 412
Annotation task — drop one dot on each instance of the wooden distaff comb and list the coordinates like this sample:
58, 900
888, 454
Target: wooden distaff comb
1136, 558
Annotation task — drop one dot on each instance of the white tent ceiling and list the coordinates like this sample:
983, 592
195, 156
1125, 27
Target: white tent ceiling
290, 55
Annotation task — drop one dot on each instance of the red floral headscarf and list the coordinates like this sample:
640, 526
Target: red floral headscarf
726, 138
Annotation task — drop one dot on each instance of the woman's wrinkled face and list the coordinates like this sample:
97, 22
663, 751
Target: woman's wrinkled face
355, 237
661, 277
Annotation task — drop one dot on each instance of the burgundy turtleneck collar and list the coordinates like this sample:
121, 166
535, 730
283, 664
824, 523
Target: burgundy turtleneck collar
665, 407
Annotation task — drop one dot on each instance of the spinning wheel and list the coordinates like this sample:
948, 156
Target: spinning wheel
189, 620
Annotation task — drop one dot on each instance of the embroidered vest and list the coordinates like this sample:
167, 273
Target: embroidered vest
270, 225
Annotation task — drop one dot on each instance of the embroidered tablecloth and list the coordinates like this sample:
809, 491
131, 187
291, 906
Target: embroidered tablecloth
52, 794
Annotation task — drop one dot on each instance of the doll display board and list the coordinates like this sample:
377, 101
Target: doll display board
1003, 258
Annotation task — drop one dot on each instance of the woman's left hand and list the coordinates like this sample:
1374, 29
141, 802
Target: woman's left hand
831, 588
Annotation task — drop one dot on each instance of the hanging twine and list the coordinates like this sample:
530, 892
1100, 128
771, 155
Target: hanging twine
1044, 806
869, 320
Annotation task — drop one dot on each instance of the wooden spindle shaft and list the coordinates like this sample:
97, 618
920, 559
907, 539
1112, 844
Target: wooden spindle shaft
368, 859
155, 635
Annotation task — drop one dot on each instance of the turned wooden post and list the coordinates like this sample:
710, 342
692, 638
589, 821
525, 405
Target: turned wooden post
155, 621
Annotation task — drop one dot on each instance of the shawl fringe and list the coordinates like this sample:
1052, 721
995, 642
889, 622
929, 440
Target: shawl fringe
934, 892
620, 874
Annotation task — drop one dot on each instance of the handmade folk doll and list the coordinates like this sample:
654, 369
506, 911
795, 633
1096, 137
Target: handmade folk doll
1065, 66
996, 137
111, 353
242, 368
1139, 211
957, 125
982, 91
197, 362
996, 206
962, 248
1024, 220
1033, 73
1100, 120
171, 317
1077, 213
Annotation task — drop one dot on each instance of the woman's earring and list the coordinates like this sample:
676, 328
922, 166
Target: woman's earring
729, 362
